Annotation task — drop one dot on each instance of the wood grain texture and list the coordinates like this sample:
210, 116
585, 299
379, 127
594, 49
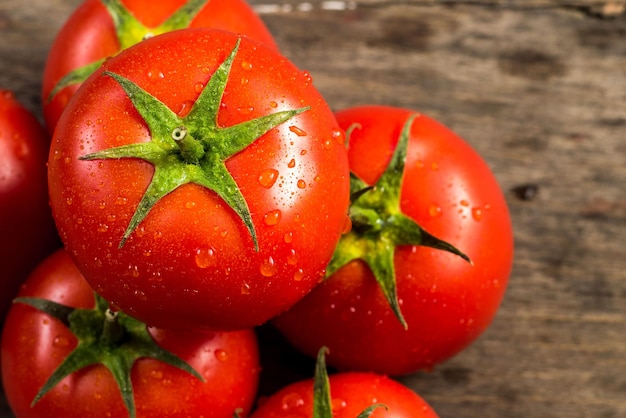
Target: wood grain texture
539, 89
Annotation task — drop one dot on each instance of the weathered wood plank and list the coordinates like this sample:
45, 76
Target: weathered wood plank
539, 89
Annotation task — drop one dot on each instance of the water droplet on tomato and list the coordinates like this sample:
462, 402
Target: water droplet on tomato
272, 217
268, 178
155, 75
434, 211
268, 267
327, 144
301, 184
464, 203
288, 237
221, 354
297, 130
184, 108
308, 79
246, 65
298, 275
245, 110
292, 258
273, 104
103, 228
291, 401
190, 205
60, 341
292, 163
198, 87
69, 201
477, 214
245, 288
338, 404
339, 136
205, 257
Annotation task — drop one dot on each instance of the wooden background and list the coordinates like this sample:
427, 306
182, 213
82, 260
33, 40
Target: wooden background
539, 89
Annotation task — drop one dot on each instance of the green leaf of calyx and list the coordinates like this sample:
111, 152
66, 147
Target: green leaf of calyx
379, 226
322, 399
191, 149
130, 31
114, 340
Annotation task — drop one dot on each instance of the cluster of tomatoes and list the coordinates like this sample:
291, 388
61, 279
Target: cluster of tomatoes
201, 187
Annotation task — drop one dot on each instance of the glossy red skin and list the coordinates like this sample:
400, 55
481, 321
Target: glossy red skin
163, 275
89, 35
351, 393
34, 344
450, 191
26, 227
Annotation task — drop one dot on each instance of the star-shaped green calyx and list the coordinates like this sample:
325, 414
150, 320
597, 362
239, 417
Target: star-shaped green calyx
112, 339
130, 31
379, 226
191, 149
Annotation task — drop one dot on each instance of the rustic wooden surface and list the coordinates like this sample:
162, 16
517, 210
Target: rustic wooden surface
539, 88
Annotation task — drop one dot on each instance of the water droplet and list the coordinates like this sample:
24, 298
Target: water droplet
339, 136
155, 76
303, 152
140, 295
103, 228
156, 374
184, 108
205, 257
246, 65
273, 104
61, 341
245, 110
244, 81
291, 163
291, 400
434, 210
297, 131
477, 214
268, 267
338, 404
134, 272
298, 275
327, 144
292, 258
190, 205
111, 217
121, 200
308, 79
198, 87
272, 217
301, 184
245, 288
69, 201
288, 237
464, 203
268, 178
221, 355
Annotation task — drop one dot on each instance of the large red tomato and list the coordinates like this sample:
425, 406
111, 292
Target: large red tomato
442, 189
34, 344
26, 226
101, 28
202, 181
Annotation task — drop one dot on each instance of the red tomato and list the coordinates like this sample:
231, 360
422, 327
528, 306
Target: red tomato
34, 344
193, 261
90, 35
351, 393
26, 226
449, 190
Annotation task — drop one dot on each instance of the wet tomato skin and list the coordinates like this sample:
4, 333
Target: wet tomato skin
89, 35
34, 344
450, 191
26, 224
192, 262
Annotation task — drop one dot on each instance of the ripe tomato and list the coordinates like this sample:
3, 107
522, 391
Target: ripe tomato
448, 190
34, 344
350, 394
174, 211
101, 28
26, 226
